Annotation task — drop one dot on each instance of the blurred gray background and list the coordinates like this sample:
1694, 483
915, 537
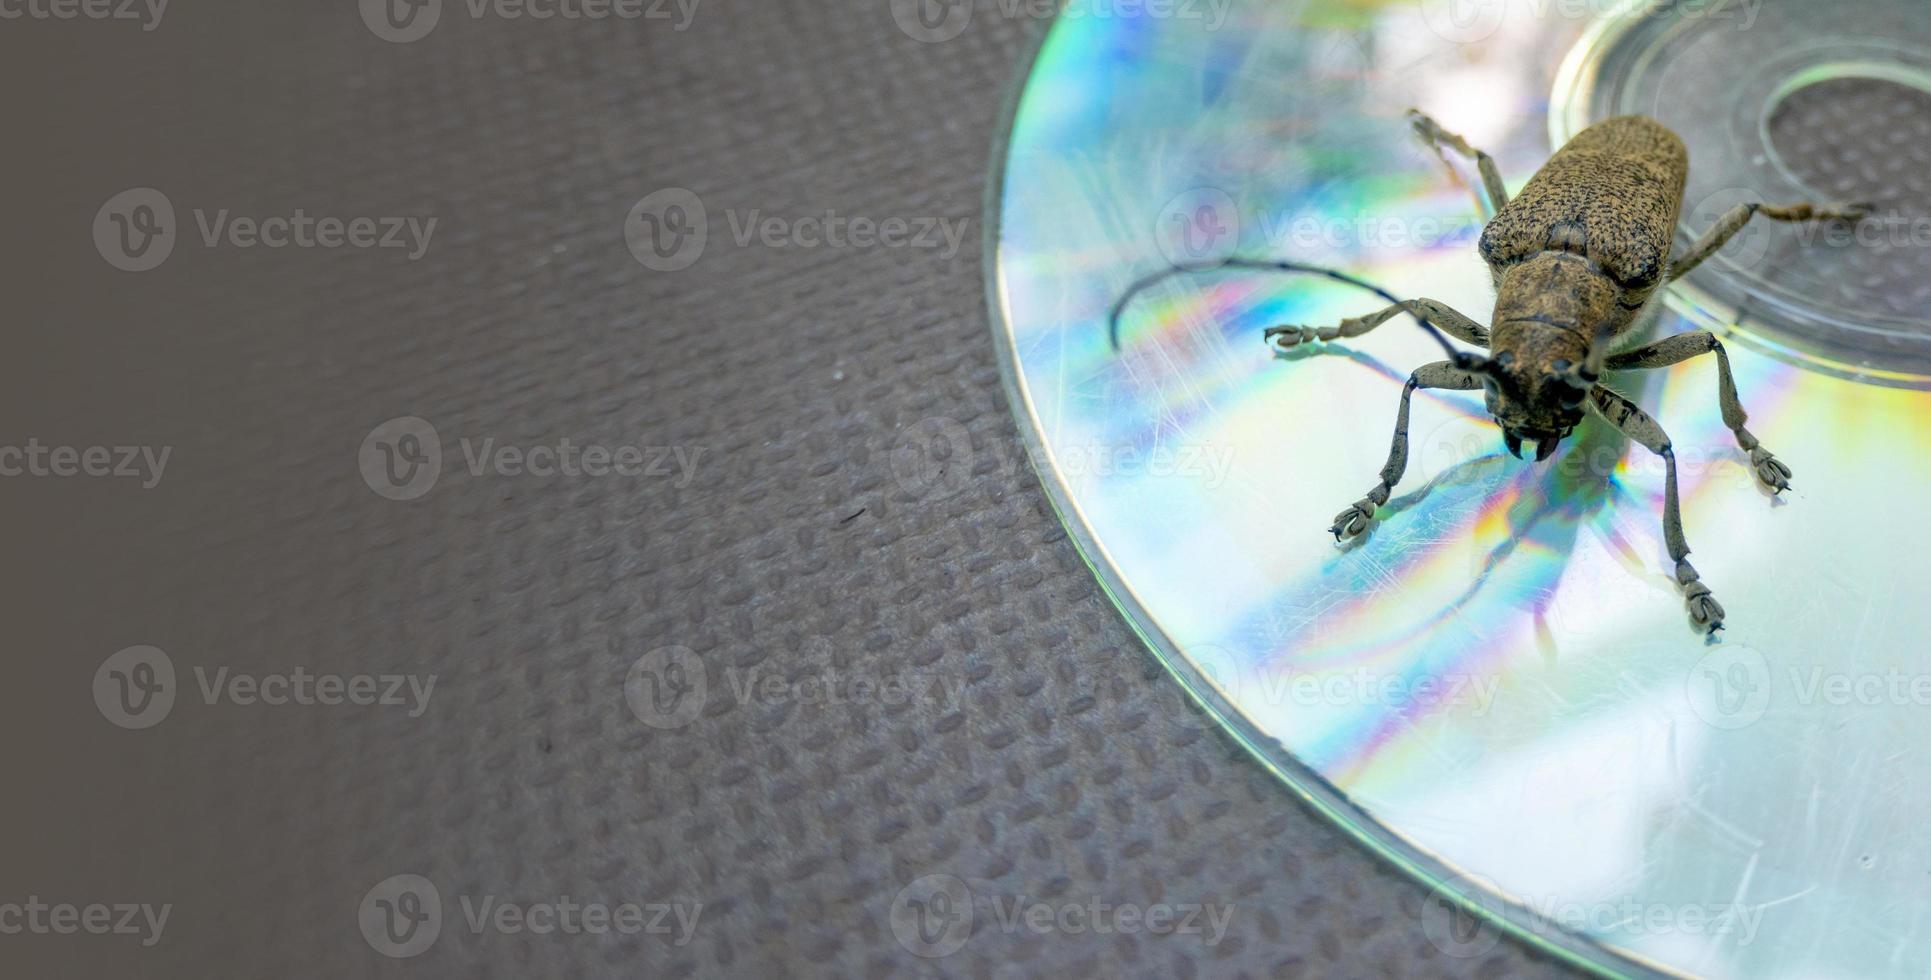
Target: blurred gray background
786, 535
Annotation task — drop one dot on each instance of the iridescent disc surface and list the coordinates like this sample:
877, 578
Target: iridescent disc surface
1499, 688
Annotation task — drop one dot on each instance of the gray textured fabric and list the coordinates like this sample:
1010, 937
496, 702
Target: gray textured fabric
1057, 761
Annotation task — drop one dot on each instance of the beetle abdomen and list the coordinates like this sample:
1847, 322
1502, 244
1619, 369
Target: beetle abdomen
1612, 195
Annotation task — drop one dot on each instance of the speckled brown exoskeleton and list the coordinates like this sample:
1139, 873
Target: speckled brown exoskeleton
1575, 259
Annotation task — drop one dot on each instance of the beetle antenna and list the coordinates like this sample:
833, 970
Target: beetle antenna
1463, 360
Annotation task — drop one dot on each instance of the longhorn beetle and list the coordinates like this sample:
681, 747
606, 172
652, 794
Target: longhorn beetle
1574, 259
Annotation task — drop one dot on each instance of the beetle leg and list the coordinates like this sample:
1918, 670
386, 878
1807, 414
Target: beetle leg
1445, 375
1440, 314
1432, 133
1637, 424
1736, 218
1675, 350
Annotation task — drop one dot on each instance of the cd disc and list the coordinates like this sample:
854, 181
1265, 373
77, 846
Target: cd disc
1499, 687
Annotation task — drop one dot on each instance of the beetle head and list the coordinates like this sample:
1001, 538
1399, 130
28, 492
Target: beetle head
1543, 407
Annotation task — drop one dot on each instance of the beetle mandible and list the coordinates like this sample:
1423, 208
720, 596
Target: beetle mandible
1575, 258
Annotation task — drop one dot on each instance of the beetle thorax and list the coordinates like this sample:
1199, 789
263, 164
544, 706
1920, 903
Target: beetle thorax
1547, 311
1553, 303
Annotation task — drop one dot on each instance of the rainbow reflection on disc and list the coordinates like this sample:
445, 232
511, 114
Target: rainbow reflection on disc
1498, 688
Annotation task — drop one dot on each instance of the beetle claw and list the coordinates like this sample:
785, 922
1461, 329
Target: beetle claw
1288, 337
1770, 470
1705, 611
1514, 443
1353, 522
